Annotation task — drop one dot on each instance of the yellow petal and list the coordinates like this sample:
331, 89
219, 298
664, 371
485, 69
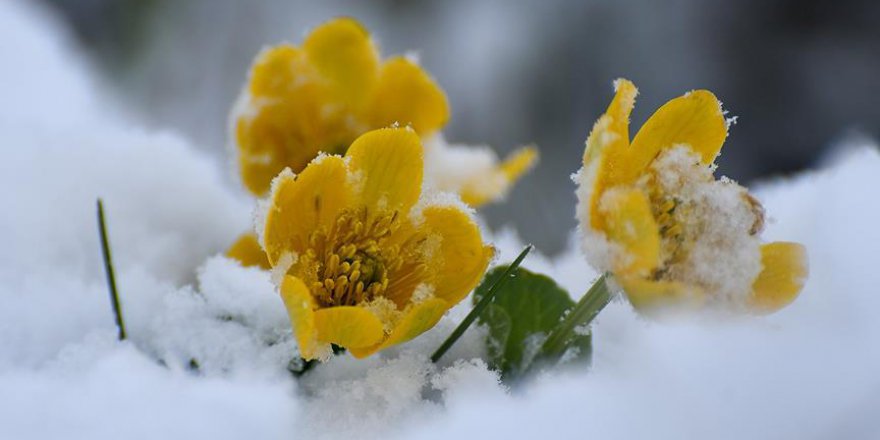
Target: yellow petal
388, 165
300, 205
695, 119
405, 94
348, 326
519, 162
416, 320
284, 132
609, 141
784, 274
288, 117
278, 70
621, 106
630, 224
461, 259
481, 189
473, 193
646, 295
343, 52
247, 251
300, 307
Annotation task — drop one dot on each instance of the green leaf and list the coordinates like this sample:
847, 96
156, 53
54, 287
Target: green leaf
527, 309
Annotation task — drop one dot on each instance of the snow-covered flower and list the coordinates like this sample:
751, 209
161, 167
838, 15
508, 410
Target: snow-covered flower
654, 216
301, 101
364, 260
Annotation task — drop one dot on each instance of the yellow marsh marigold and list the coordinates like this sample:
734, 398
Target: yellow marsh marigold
363, 259
300, 101
654, 216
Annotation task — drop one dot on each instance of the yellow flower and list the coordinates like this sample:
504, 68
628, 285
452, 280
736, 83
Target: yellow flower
300, 101
654, 216
364, 260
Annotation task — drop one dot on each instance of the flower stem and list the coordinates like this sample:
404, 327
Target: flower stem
478, 309
581, 314
108, 268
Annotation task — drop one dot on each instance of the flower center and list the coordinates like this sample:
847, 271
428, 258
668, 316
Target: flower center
353, 262
672, 236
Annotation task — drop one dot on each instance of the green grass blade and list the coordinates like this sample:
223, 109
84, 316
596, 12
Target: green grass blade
108, 268
478, 309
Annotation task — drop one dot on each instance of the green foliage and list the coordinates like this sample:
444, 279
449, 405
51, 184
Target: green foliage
523, 313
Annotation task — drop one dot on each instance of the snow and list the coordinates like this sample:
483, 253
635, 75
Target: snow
727, 257
806, 371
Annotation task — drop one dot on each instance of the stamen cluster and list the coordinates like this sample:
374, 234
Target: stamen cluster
352, 263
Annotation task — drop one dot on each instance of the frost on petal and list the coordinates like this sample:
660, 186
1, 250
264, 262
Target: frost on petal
599, 251
719, 247
284, 263
386, 310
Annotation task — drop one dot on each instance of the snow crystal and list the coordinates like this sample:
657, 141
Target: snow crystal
467, 379
423, 292
386, 310
282, 266
364, 405
432, 197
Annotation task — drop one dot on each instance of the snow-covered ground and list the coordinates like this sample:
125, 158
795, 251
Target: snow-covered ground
210, 342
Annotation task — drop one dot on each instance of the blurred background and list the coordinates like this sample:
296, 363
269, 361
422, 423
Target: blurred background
800, 74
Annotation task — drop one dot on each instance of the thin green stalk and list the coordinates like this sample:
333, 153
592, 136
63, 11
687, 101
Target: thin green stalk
108, 268
582, 314
478, 309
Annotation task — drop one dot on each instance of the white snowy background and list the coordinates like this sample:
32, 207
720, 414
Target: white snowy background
809, 371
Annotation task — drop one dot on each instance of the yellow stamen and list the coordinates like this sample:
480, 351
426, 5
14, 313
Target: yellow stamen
351, 262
